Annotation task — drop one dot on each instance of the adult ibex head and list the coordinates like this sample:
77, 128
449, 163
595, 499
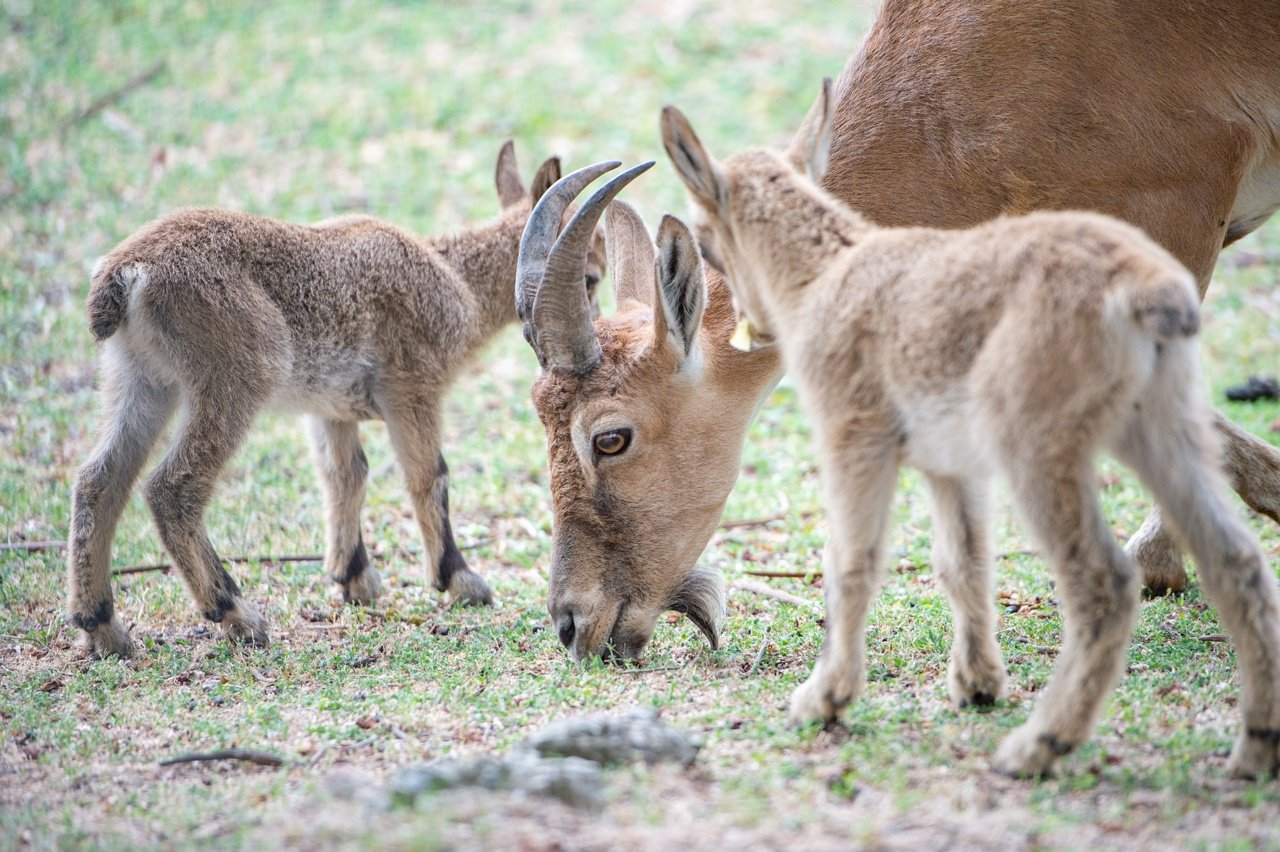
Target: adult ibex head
645, 413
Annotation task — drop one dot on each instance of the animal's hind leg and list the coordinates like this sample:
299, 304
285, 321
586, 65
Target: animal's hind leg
343, 470
135, 410
179, 490
962, 562
414, 432
1098, 587
1175, 455
859, 491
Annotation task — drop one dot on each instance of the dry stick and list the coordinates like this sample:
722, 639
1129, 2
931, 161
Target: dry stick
106, 100
33, 546
237, 560
760, 522
770, 592
651, 669
759, 654
261, 758
784, 575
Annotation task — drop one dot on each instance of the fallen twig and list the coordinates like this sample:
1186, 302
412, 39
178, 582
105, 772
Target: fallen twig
33, 546
652, 669
770, 592
785, 575
1215, 637
107, 99
1009, 554
759, 654
288, 557
760, 522
261, 758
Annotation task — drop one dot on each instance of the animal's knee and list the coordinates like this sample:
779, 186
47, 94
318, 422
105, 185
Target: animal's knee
171, 502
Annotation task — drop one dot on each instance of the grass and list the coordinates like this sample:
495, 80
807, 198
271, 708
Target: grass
303, 111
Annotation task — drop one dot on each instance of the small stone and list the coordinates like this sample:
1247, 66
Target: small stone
638, 734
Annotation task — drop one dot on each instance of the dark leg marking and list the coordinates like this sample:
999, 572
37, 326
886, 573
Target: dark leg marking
451, 560
356, 565
101, 614
225, 598
1056, 745
1270, 736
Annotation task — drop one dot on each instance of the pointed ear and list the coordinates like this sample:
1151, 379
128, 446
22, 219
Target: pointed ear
548, 173
811, 146
631, 255
698, 169
507, 177
682, 286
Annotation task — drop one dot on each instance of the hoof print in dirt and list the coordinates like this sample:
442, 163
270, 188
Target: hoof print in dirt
573, 781
637, 734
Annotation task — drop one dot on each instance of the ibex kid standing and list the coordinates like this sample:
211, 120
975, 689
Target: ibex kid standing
347, 320
1025, 345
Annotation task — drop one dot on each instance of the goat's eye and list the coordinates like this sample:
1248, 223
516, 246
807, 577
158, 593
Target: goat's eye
612, 442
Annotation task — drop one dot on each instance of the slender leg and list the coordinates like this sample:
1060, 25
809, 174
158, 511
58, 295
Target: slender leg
1098, 587
859, 489
179, 490
1158, 555
415, 436
1176, 459
962, 561
1253, 467
343, 470
135, 410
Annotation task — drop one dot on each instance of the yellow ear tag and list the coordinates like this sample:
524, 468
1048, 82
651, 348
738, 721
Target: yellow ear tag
743, 336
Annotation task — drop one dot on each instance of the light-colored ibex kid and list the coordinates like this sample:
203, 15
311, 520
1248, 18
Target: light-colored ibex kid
228, 314
1023, 346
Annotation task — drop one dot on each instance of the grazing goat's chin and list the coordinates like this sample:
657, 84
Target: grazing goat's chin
701, 598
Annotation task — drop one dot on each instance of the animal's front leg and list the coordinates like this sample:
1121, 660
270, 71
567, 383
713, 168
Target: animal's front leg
415, 436
858, 492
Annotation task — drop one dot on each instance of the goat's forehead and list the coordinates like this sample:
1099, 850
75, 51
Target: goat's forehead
624, 355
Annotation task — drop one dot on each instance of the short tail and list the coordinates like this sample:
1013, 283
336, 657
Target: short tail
109, 289
1164, 305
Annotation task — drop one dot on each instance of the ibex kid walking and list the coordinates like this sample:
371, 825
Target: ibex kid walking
1025, 345
347, 320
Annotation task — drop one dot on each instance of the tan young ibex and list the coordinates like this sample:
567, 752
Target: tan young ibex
1024, 346
346, 320
947, 115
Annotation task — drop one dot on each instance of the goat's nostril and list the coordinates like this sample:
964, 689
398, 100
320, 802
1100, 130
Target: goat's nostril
564, 625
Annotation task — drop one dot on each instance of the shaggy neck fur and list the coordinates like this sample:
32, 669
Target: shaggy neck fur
485, 258
787, 229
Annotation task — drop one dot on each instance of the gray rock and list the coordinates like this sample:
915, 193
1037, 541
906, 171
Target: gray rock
637, 734
562, 761
577, 783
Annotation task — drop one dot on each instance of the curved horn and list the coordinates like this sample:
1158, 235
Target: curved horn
631, 254
541, 229
561, 320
